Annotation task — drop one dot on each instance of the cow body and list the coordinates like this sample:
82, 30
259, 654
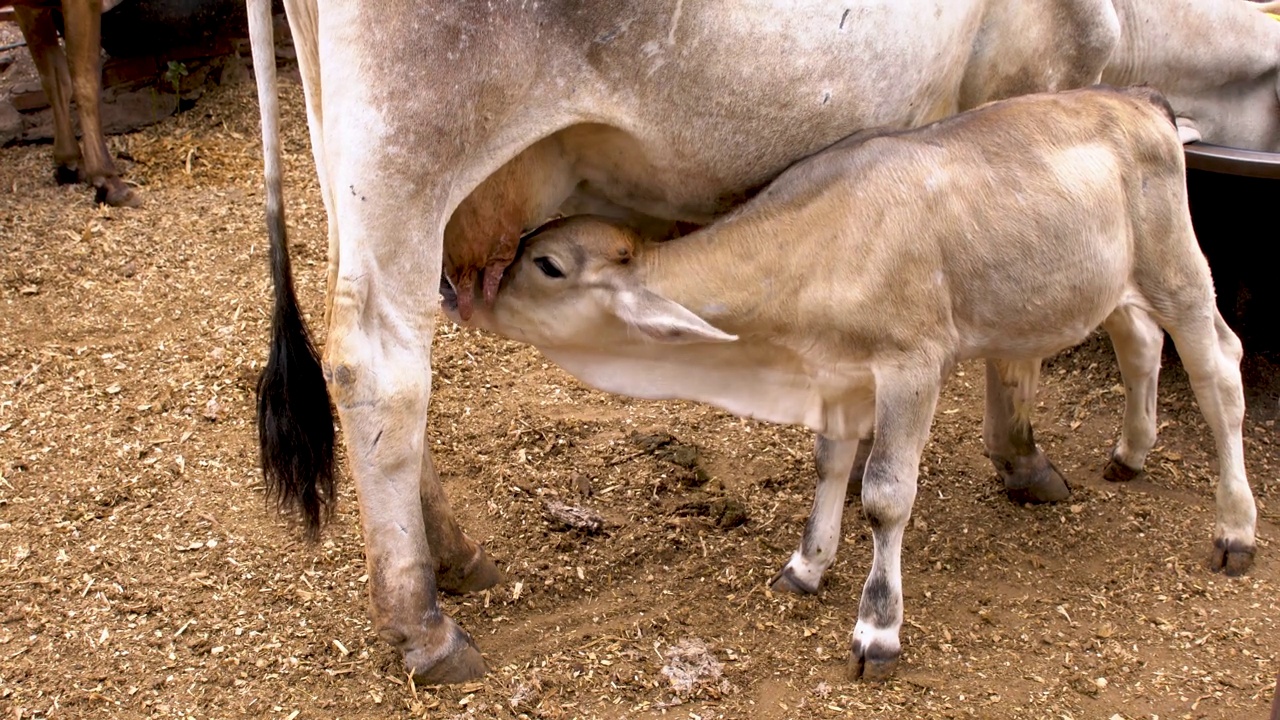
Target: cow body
652, 111
76, 74
842, 295
1217, 61
444, 130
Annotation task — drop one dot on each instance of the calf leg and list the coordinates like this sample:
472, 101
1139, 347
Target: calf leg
83, 20
1211, 355
42, 40
905, 402
1027, 473
803, 572
462, 564
859, 467
1137, 340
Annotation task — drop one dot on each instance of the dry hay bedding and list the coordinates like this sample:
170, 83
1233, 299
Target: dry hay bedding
142, 575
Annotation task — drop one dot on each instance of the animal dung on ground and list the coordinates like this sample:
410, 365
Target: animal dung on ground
690, 666
572, 517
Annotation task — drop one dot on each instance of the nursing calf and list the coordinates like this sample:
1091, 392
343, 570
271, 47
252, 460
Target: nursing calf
842, 296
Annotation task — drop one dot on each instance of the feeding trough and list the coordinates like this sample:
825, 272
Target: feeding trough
1232, 191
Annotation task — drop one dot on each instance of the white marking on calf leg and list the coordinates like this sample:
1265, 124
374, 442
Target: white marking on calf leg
1211, 355
1026, 471
1137, 340
803, 572
905, 403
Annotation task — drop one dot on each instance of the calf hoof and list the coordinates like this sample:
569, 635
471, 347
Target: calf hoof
117, 194
1232, 557
1117, 471
479, 574
67, 175
788, 582
457, 660
872, 662
1032, 479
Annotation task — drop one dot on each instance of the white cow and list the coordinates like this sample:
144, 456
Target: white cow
1217, 61
444, 130
842, 296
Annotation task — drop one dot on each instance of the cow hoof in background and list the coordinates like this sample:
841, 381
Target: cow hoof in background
874, 654
67, 175
454, 660
1232, 557
479, 574
116, 194
788, 581
1032, 479
1117, 471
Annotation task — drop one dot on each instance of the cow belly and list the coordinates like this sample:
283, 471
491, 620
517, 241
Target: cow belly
702, 108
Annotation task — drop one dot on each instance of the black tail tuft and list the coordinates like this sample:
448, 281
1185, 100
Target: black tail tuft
295, 420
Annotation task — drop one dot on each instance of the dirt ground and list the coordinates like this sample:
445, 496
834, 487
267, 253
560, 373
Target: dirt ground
142, 575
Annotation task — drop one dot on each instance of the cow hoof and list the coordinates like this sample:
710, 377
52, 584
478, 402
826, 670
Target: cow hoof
788, 582
1117, 471
66, 175
457, 661
117, 194
1232, 557
1032, 479
479, 574
872, 662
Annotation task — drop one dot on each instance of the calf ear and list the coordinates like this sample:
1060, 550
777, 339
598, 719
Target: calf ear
664, 320
1188, 132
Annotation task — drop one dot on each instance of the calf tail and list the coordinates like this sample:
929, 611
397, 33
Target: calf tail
1154, 96
295, 420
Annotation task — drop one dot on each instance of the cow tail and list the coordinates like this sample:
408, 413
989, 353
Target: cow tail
295, 420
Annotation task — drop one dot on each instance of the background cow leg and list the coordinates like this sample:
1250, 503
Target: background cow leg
1027, 473
461, 563
905, 402
803, 572
42, 40
859, 467
1137, 340
83, 20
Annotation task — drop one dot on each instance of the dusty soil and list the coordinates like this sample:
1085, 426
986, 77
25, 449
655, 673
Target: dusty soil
142, 575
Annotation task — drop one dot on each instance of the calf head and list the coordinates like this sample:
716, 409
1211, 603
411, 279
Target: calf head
581, 282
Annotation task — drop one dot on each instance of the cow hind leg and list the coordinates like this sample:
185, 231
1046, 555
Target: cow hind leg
905, 403
1137, 340
462, 564
1211, 355
42, 40
84, 49
803, 572
377, 360
1028, 475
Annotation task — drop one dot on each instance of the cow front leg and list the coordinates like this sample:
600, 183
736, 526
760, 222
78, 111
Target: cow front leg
83, 19
42, 40
905, 402
803, 572
462, 565
377, 362
1026, 471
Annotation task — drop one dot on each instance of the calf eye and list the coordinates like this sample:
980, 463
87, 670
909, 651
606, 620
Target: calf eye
548, 267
